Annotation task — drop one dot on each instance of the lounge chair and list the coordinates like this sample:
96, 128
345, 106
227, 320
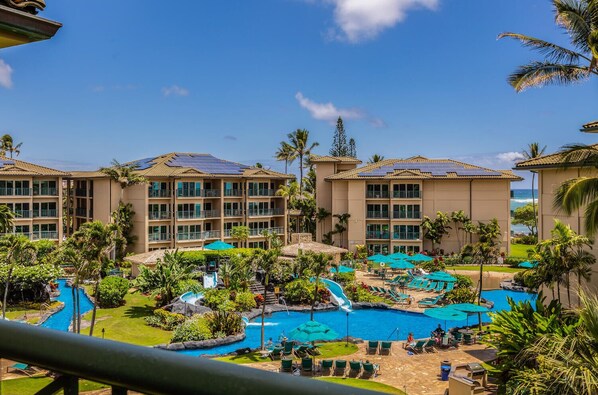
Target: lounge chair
430, 287
307, 365
440, 287
340, 366
372, 347
370, 370
467, 338
301, 351
313, 350
21, 368
430, 301
458, 337
354, 368
449, 287
418, 347
395, 280
275, 353
286, 365
326, 366
385, 348
429, 346
414, 283
288, 348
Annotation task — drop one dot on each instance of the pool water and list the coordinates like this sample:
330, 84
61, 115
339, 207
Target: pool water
371, 324
63, 319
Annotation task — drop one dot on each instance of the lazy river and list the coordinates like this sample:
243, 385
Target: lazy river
62, 319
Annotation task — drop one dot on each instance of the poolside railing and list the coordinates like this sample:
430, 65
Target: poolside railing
127, 367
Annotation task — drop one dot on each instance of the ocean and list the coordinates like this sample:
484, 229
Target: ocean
519, 198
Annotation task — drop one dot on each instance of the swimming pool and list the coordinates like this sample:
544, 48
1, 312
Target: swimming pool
62, 319
371, 324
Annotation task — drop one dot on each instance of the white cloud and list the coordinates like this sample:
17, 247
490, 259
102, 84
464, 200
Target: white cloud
360, 20
5, 75
175, 90
510, 157
327, 111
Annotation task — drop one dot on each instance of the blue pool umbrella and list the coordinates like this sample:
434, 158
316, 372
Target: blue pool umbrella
469, 308
341, 269
312, 331
398, 255
219, 246
446, 314
528, 265
441, 276
420, 258
378, 258
401, 265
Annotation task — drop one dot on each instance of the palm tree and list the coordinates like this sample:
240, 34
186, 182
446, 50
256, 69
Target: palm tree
71, 256
341, 226
301, 148
7, 145
6, 218
375, 159
319, 264
562, 66
285, 153
16, 250
534, 151
125, 174
460, 220
241, 233
267, 262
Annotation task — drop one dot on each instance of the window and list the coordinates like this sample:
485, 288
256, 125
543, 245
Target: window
158, 233
188, 189
232, 189
44, 209
377, 211
14, 188
377, 231
259, 208
408, 211
158, 189
378, 248
232, 209
406, 249
260, 189
257, 244
47, 188
158, 211
406, 191
188, 210
22, 229
406, 232
377, 191
188, 232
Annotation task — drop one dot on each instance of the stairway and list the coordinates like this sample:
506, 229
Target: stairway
257, 288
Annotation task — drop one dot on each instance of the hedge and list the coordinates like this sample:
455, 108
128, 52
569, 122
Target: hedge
112, 291
28, 282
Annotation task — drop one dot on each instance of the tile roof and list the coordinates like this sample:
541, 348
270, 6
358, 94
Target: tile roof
419, 167
333, 159
590, 127
547, 161
11, 166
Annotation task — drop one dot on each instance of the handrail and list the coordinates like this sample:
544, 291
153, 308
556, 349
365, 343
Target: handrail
147, 370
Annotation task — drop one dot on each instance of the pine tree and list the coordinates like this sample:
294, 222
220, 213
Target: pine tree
352, 148
339, 142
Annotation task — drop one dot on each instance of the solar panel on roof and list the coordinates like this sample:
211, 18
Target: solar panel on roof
438, 169
206, 163
143, 164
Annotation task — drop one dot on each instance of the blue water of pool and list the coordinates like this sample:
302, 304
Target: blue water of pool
63, 319
371, 324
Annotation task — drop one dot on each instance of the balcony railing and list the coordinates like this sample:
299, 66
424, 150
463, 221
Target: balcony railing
377, 194
49, 213
376, 234
407, 194
188, 192
159, 237
186, 236
405, 235
211, 234
233, 213
22, 214
260, 231
81, 212
188, 214
377, 214
233, 192
45, 192
210, 213
265, 212
52, 235
158, 215
15, 191
262, 192
406, 215
126, 367
210, 193
159, 193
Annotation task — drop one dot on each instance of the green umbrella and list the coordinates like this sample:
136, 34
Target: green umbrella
441, 276
312, 331
528, 265
401, 265
219, 246
420, 258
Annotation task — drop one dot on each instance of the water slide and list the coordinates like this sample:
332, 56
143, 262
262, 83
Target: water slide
210, 281
337, 293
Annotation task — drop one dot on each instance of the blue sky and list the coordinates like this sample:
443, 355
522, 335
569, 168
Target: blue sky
128, 80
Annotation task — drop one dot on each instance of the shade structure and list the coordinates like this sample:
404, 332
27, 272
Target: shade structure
441, 276
312, 331
401, 265
398, 255
219, 246
528, 265
446, 314
469, 308
342, 269
420, 258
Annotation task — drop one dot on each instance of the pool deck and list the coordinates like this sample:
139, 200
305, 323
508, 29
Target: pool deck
417, 374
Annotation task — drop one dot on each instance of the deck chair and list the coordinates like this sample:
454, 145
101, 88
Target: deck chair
275, 353
21, 368
307, 365
286, 365
418, 347
288, 348
340, 366
449, 287
385, 348
429, 346
440, 287
372, 347
354, 368
369, 370
326, 367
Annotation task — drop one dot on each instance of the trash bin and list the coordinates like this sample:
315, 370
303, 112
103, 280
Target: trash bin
445, 370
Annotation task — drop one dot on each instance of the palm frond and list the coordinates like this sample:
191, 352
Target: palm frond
591, 218
576, 17
575, 193
539, 74
579, 155
552, 53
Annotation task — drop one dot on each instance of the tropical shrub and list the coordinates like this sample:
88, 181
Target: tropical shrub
343, 278
299, 291
199, 258
44, 249
28, 283
245, 301
193, 329
527, 278
217, 299
187, 285
165, 319
461, 295
224, 322
434, 265
360, 293
112, 291
514, 261
463, 281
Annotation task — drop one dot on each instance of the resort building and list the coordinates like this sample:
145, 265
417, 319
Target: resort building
19, 24
34, 194
387, 200
190, 199
551, 174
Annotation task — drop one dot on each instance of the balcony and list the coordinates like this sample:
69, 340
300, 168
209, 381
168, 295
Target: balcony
233, 192
21, 214
377, 214
81, 212
379, 235
377, 195
158, 237
45, 192
126, 367
159, 193
15, 191
260, 231
81, 192
189, 236
51, 235
262, 192
405, 236
406, 215
233, 213
45, 213
211, 234
210, 193
407, 194
159, 215
265, 212
188, 193
197, 214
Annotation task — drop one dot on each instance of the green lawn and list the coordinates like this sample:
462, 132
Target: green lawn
30, 385
499, 269
328, 350
19, 312
520, 250
365, 384
127, 324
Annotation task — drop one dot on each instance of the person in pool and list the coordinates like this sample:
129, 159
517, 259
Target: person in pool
410, 340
